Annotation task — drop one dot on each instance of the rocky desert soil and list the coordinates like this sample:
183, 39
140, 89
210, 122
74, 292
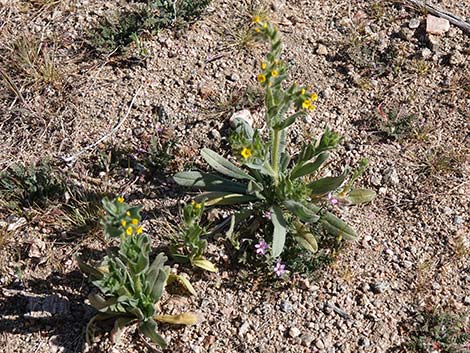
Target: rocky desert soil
399, 95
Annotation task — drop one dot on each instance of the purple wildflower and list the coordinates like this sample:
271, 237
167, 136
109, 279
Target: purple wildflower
261, 247
267, 214
332, 200
279, 269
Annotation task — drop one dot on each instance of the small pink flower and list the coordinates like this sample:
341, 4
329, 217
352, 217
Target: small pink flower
261, 247
279, 269
267, 214
332, 200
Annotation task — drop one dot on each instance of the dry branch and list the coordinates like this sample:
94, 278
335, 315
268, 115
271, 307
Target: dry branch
441, 13
72, 159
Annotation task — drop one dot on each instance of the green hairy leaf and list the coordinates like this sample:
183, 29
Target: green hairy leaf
223, 166
204, 264
279, 235
338, 228
213, 198
149, 328
304, 213
358, 196
308, 241
309, 168
327, 184
209, 182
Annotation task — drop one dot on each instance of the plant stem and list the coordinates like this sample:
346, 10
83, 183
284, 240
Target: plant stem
275, 154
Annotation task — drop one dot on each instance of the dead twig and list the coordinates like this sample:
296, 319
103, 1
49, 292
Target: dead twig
72, 159
459, 22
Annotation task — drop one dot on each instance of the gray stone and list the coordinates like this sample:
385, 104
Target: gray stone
364, 342
376, 180
307, 339
391, 176
466, 300
215, 134
319, 344
46, 307
380, 287
414, 23
286, 306
458, 220
327, 93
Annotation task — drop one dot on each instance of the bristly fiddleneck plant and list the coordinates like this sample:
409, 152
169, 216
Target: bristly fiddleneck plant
188, 245
129, 283
290, 189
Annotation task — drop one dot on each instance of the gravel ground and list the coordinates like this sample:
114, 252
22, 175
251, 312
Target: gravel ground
364, 58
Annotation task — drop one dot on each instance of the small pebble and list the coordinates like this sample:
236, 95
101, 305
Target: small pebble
414, 23
322, 50
294, 332
286, 306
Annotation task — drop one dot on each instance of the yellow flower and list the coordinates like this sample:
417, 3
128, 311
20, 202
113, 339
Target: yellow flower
314, 97
265, 25
312, 107
135, 221
306, 104
302, 92
264, 65
128, 213
246, 153
257, 30
129, 231
195, 204
139, 230
274, 73
120, 199
256, 19
123, 222
261, 78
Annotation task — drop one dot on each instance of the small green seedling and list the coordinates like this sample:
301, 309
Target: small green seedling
130, 284
188, 246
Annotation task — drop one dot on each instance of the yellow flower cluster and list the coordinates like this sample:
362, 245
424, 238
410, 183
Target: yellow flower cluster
132, 226
264, 76
196, 205
308, 103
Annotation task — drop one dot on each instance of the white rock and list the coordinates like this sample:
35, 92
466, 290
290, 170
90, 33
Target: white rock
244, 328
322, 50
426, 53
294, 332
414, 23
242, 114
437, 25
